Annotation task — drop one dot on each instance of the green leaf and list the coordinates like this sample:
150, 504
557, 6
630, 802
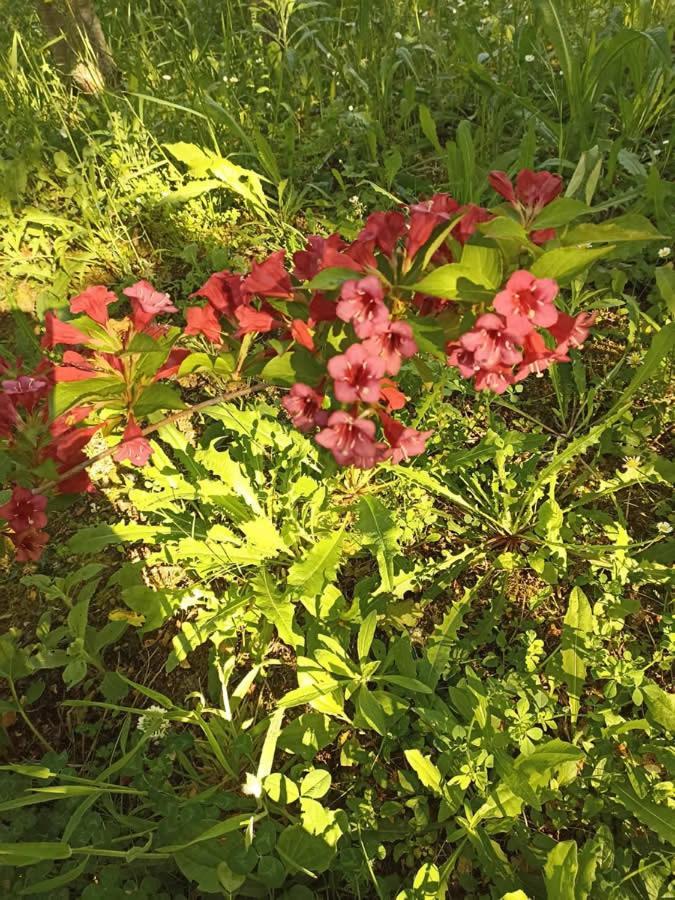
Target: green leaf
665, 281
563, 263
332, 278
304, 852
26, 853
377, 527
478, 265
227, 826
366, 635
429, 127
67, 394
504, 228
660, 819
318, 567
95, 538
631, 227
404, 681
315, 784
560, 212
49, 885
270, 745
293, 366
231, 473
191, 190
370, 710
560, 871
579, 622
280, 788
196, 159
426, 771
442, 639
276, 607
661, 705
157, 396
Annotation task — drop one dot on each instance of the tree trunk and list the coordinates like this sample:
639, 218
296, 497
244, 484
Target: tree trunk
80, 48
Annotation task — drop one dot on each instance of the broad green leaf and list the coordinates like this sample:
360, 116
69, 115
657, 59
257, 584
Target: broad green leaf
479, 265
276, 607
366, 635
191, 190
67, 394
158, 396
318, 567
631, 227
425, 770
563, 263
296, 365
377, 526
579, 622
197, 160
371, 711
660, 819
329, 279
26, 853
263, 538
404, 681
304, 852
95, 538
505, 228
560, 212
665, 281
315, 784
280, 788
560, 871
589, 859
661, 705
48, 886
302, 695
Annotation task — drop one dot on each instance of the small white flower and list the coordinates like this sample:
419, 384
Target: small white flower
153, 723
664, 527
398, 35
483, 57
667, 141
234, 80
166, 77
252, 786
350, 108
664, 252
529, 57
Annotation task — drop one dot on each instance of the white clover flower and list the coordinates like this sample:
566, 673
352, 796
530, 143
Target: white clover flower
664, 527
166, 77
234, 80
529, 57
252, 787
398, 35
664, 252
483, 57
153, 723
350, 108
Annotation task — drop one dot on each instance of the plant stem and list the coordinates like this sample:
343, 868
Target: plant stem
24, 715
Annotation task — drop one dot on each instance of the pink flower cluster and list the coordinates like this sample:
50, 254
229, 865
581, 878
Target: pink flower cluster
504, 346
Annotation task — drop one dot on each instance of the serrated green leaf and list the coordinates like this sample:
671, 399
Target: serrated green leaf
319, 566
377, 527
276, 607
660, 819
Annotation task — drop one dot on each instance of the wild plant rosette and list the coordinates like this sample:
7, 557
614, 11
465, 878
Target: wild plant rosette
476, 287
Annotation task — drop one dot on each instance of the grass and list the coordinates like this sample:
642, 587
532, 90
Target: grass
519, 572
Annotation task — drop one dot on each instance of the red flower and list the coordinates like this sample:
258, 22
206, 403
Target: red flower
542, 235
571, 331
351, 441
94, 303
26, 391
321, 309
425, 217
251, 320
134, 446
391, 395
466, 226
492, 340
385, 228
356, 375
269, 278
29, 544
25, 510
303, 404
203, 320
533, 191
302, 335
58, 332
8, 416
77, 368
404, 442
528, 298
146, 303
496, 380
359, 255
393, 345
461, 359
65, 422
310, 261
537, 357
173, 363
223, 291
362, 304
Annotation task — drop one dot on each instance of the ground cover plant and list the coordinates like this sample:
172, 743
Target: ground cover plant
335, 452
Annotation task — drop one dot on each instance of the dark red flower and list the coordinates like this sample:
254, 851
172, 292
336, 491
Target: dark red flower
362, 304
466, 226
25, 510
385, 228
393, 345
58, 332
134, 447
8, 417
493, 340
223, 291
310, 261
269, 278
76, 368
529, 298
427, 216
146, 303
352, 441
203, 320
533, 191
94, 302
66, 421
303, 404
251, 320
359, 255
542, 235
404, 442
302, 335
356, 375
571, 331
173, 363
26, 391
322, 309
29, 544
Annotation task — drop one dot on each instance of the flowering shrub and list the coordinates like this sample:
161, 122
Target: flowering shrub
464, 284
